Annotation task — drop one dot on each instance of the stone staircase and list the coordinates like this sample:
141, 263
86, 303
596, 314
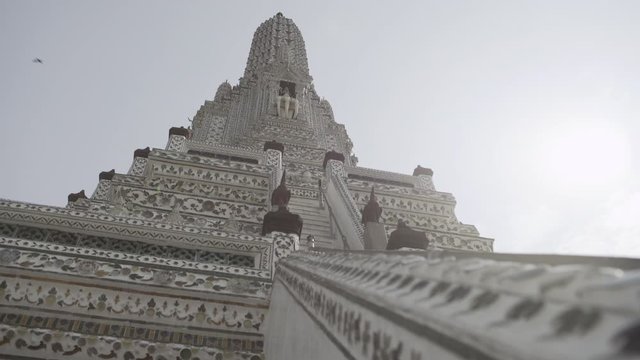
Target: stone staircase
316, 221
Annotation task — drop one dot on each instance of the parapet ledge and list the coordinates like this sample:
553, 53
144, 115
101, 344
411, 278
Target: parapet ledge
492, 306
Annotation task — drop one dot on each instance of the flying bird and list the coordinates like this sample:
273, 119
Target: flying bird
38, 60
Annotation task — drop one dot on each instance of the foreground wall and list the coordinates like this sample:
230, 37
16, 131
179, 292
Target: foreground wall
452, 305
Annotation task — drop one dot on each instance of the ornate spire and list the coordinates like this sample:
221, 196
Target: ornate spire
277, 41
224, 91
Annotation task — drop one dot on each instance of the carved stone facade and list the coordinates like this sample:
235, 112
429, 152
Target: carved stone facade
168, 261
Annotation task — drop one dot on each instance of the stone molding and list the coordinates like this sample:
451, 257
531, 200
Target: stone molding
401, 306
380, 174
138, 166
336, 176
123, 268
134, 229
103, 302
176, 143
402, 191
223, 150
50, 343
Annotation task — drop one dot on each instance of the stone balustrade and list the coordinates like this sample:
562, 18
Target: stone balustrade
453, 305
344, 208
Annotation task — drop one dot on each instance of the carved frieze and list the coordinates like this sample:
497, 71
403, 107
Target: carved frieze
210, 175
38, 338
191, 159
417, 205
163, 200
401, 190
119, 305
132, 228
117, 271
395, 301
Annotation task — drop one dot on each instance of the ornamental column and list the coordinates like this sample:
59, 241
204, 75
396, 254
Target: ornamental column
140, 160
274, 151
424, 178
178, 139
103, 190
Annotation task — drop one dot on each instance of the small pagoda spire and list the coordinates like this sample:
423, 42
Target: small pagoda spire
372, 211
281, 195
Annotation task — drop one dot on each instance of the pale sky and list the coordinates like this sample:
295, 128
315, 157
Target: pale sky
527, 111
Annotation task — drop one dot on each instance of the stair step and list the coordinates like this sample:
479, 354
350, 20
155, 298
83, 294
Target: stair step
309, 213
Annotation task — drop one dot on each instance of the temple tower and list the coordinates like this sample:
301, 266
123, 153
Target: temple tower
175, 258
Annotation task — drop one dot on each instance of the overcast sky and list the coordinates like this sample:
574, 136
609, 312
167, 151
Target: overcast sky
527, 111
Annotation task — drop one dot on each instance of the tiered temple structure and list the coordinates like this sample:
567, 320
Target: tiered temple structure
254, 235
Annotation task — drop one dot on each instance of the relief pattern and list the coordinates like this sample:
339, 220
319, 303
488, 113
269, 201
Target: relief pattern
159, 253
115, 304
162, 200
362, 185
104, 341
405, 204
177, 278
132, 228
474, 301
214, 162
209, 175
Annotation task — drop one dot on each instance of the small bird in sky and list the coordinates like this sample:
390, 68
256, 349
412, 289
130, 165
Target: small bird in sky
38, 60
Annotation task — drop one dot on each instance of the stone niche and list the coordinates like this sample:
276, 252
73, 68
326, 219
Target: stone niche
287, 103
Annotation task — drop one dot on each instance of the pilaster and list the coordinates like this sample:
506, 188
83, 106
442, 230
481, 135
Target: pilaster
177, 139
274, 151
424, 178
103, 190
140, 160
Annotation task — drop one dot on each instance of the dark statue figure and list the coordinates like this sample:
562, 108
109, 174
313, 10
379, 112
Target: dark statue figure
181, 131
372, 211
281, 195
73, 197
282, 219
422, 171
107, 175
405, 237
142, 153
